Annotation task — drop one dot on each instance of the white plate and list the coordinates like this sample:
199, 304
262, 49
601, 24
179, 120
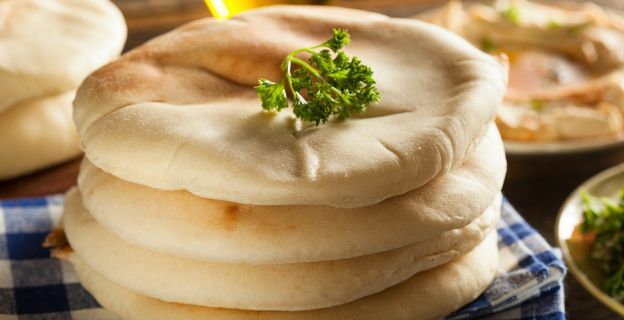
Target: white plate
605, 184
562, 147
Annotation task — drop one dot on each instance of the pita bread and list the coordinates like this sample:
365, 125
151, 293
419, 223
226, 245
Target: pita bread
37, 133
427, 295
180, 113
291, 287
180, 223
49, 47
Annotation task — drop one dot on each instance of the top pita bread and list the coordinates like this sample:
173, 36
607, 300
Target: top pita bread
181, 113
49, 47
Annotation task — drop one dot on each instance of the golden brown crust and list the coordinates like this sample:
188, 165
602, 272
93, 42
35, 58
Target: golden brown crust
57, 242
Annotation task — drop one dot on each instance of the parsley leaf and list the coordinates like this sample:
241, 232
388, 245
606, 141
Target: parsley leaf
512, 14
328, 85
554, 24
272, 95
537, 105
488, 45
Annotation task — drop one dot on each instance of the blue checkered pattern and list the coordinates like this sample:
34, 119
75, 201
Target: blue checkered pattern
530, 285
34, 286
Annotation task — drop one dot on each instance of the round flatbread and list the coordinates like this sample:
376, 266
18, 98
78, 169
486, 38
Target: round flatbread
49, 47
180, 223
427, 295
37, 133
181, 113
290, 287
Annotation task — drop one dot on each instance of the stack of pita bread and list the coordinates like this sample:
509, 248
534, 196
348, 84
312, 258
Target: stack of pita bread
193, 203
46, 49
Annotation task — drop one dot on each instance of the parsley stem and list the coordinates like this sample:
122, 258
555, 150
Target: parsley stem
308, 50
307, 66
312, 70
339, 94
286, 66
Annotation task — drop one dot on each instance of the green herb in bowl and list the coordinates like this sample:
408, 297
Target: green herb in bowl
603, 222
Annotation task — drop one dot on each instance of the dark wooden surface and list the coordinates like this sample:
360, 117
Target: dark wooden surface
535, 185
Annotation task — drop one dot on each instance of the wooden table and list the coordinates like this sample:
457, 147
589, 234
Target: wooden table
536, 186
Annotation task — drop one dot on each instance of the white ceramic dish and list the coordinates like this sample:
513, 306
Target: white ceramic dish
605, 184
562, 147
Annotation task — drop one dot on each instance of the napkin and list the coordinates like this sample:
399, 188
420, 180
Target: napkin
35, 286
530, 282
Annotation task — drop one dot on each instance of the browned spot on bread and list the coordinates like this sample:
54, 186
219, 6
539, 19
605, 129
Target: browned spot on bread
57, 242
62, 253
230, 217
55, 239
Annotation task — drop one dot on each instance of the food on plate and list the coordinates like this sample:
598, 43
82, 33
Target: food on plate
602, 232
378, 200
46, 49
566, 65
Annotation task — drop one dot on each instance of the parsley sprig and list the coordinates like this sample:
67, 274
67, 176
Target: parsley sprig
328, 84
605, 218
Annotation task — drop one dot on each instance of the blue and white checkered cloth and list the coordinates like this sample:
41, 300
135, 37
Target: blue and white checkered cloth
34, 286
